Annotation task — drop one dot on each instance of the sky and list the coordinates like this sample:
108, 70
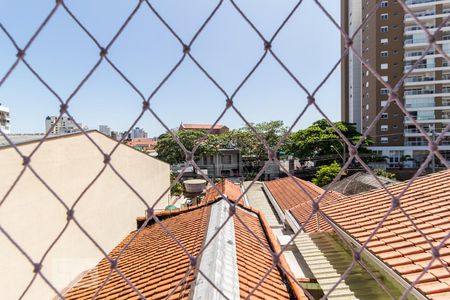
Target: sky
145, 52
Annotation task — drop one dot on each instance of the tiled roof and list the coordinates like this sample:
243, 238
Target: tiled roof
290, 196
137, 142
201, 126
154, 263
227, 187
397, 243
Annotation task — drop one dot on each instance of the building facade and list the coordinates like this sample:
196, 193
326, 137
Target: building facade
64, 125
107, 211
105, 129
5, 119
137, 133
391, 42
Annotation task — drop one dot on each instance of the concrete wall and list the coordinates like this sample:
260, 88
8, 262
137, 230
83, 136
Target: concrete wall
33, 216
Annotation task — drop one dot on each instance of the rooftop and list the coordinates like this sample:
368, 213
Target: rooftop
295, 195
156, 264
202, 126
397, 242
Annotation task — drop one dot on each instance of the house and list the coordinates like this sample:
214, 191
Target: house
225, 163
34, 217
156, 265
143, 144
217, 129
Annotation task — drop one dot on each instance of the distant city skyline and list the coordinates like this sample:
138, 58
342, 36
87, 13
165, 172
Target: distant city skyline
228, 49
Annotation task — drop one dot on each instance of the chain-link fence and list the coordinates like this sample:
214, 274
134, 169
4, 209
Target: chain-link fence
186, 54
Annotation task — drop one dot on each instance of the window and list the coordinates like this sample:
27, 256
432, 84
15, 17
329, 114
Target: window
384, 4
384, 115
226, 159
367, 84
383, 103
384, 41
367, 106
385, 78
384, 29
384, 91
384, 53
384, 66
384, 127
384, 16
384, 140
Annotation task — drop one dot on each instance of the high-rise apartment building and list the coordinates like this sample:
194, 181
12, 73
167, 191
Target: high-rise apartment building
105, 129
63, 125
391, 42
5, 119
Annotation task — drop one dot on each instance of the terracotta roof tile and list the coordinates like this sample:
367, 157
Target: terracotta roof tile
427, 202
155, 263
295, 195
227, 187
152, 253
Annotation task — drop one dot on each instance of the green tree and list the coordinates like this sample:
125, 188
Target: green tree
326, 174
380, 172
177, 188
170, 152
321, 140
245, 139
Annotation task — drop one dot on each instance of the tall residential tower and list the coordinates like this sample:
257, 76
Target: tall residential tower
391, 42
5, 119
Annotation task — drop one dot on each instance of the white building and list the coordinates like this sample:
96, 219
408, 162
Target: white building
105, 129
63, 125
5, 119
34, 217
137, 133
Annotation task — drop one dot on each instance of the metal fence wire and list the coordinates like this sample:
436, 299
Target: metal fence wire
228, 96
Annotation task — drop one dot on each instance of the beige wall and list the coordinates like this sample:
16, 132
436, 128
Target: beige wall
33, 216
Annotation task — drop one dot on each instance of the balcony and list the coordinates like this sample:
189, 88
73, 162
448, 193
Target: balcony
416, 41
420, 66
414, 2
420, 105
421, 14
419, 53
419, 79
418, 92
416, 143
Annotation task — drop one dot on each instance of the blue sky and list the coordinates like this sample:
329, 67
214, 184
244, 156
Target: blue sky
228, 48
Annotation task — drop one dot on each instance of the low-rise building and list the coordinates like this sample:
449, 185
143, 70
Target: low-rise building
34, 216
226, 163
144, 145
409, 235
234, 261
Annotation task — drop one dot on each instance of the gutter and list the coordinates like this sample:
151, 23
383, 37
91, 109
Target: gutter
281, 214
378, 262
245, 198
296, 290
292, 222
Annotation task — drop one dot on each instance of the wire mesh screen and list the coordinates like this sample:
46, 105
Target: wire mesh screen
187, 53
